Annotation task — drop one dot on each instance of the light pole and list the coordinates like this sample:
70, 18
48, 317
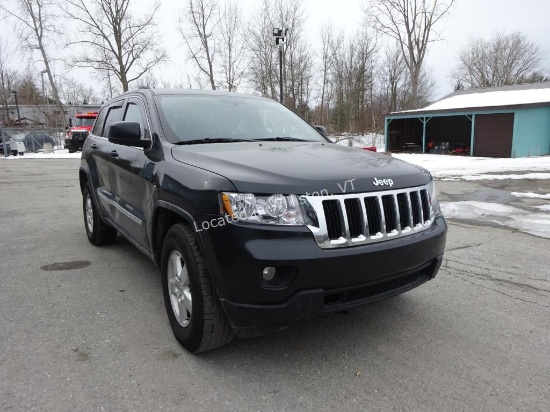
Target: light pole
280, 39
16, 105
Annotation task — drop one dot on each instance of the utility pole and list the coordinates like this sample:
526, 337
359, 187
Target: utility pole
280, 40
16, 105
44, 95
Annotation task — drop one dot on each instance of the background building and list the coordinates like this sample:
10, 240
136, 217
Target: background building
508, 121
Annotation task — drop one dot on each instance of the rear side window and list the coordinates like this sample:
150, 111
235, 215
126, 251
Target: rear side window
114, 115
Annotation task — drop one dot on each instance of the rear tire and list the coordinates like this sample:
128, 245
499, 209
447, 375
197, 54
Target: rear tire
197, 319
98, 232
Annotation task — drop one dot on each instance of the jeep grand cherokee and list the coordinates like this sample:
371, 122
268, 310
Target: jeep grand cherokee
254, 217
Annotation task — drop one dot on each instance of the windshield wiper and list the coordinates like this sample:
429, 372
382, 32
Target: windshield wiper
281, 139
208, 140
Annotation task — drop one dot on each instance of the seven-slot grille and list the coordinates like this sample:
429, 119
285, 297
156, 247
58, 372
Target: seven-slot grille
361, 218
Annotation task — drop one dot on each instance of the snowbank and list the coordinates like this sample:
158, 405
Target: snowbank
480, 168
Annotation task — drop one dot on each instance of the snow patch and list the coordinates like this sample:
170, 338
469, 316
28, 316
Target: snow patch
537, 224
452, 168
541, 176
531, 195
57, 154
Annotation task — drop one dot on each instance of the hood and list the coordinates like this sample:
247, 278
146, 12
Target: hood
301, 168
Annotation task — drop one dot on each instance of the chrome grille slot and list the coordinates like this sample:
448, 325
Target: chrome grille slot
334, 220
416, 208
373, 215
363, 218
355, 218
404, 211
389, 213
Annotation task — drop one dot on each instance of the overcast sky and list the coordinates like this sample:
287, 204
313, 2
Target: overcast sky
468, 18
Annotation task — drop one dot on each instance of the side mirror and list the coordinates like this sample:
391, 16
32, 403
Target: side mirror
322, 130
127, 134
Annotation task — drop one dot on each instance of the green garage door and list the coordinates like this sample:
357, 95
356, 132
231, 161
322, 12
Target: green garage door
493, 135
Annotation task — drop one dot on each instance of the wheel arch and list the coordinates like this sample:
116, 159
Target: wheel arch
83, 178
166, 215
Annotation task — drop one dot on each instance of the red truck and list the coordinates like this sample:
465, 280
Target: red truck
81, 126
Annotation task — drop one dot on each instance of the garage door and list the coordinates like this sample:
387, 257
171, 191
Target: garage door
493, 135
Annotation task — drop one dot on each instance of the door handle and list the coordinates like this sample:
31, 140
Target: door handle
114, 153
93, 146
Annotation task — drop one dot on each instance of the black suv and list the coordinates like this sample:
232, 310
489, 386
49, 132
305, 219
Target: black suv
254, 217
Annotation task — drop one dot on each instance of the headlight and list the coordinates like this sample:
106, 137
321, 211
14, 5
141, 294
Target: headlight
275, 209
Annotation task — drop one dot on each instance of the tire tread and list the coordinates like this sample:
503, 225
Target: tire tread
103, 234
216, 329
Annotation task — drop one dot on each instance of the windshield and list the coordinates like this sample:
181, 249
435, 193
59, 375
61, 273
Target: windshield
83, 121
230, 117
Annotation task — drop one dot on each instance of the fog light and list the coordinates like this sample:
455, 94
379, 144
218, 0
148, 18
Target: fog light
268, 273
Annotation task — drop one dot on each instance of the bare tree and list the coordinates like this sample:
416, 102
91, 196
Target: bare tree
7, 77
232, 50
35, 21
326, 67
393, 87
75, 93
298, 68
196, 25
505, 59
115, 41
352, 77
262, 72
297, 55
28, 92
411, 23
393, 79
149, 80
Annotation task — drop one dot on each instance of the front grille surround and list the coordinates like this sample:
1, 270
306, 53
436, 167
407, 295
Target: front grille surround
363, 218
80, 135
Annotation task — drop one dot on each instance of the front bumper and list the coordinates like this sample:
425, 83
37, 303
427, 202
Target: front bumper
73, 145
311, 281
76, 142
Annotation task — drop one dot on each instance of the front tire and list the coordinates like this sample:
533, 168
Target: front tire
98, 232
197, 319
